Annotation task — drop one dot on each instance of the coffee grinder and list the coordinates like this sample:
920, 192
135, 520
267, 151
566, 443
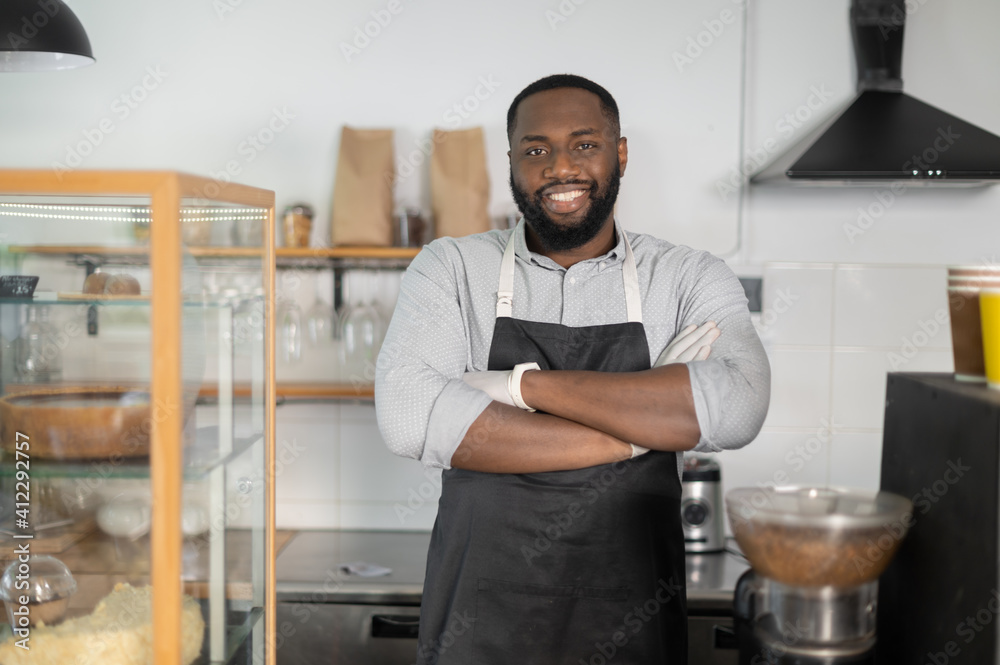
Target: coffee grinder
701, 505
815, 555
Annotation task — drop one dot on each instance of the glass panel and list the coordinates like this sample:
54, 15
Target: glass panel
76, 375
224, 564
75, 381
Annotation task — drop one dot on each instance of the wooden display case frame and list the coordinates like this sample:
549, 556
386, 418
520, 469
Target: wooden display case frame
166, 189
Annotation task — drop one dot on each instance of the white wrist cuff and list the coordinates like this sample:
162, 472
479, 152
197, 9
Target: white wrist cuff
638, 450
514, 385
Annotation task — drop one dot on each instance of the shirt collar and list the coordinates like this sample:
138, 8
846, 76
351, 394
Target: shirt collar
615, 256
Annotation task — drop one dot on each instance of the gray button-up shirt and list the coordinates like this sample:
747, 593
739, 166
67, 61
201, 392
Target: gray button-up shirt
443, 327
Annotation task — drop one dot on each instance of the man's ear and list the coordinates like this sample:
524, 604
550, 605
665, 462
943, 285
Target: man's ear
622, 154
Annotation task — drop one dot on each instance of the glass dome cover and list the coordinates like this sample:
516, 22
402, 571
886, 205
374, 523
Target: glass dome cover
818, 536
48, 579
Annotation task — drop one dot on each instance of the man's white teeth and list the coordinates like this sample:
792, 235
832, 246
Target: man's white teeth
566, 196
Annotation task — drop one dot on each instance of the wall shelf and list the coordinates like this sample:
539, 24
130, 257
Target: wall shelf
302, 390
303, 257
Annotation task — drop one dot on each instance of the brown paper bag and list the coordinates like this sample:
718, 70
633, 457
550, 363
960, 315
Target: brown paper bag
460, 185
362, 189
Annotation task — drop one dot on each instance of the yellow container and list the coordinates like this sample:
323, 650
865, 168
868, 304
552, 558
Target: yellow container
989, 310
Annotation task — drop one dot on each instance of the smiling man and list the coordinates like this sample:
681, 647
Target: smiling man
556, 372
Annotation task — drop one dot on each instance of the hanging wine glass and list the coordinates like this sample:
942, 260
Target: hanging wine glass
361, 331
289, 331
322, 322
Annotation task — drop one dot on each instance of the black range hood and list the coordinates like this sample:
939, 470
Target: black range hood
886, 134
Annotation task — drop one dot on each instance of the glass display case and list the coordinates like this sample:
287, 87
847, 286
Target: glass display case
136, 419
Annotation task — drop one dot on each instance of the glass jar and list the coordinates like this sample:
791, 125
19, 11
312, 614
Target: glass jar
39, 356
297, 225
411, 228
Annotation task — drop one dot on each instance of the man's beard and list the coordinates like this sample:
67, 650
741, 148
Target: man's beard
556, 238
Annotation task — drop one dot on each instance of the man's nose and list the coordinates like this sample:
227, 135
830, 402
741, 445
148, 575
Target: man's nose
562, 164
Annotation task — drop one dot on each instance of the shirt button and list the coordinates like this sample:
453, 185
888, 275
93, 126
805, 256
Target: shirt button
572, 280
603, 263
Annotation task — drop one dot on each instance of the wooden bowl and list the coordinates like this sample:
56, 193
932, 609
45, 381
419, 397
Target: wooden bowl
78, 423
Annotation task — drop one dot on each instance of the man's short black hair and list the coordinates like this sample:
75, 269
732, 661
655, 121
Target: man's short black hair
608, 106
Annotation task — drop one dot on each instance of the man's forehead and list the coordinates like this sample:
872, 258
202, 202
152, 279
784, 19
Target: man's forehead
567, 109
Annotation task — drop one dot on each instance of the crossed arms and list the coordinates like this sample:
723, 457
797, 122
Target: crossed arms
426, 411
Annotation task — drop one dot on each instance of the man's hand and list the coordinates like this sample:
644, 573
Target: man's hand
692, 343
502, 386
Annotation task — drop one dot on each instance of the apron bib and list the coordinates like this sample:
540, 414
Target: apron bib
566, 567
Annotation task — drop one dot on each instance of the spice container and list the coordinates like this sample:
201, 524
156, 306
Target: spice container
297, 225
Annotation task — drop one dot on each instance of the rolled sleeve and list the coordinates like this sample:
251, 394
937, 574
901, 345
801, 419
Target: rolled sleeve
422, 406
732, 388
455, 409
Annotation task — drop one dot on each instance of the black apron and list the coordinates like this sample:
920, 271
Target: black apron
567, 567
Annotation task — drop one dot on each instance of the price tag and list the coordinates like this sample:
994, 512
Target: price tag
17, 286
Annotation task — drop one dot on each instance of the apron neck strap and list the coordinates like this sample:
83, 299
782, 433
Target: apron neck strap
505, 291
630, 277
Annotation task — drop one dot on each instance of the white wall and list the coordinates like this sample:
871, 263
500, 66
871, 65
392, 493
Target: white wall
223, 76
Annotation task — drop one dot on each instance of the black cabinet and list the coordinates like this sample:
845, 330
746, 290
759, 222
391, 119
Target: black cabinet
938, 600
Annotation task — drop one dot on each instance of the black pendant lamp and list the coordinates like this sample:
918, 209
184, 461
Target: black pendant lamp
40, 36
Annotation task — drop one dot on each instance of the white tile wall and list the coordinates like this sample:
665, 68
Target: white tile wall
333, 470
307, 453
856, 459
392, 478
796, 305
800, 387
883, 306
779, 458
859, 381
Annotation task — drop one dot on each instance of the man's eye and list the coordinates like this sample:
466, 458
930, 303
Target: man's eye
535, 152
586, 146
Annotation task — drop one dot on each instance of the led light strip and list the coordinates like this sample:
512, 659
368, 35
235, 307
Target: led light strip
42, 206
78, 217
219, 215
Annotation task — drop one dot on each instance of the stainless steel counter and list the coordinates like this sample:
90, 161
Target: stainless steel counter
328, 616
308, 570
308, 567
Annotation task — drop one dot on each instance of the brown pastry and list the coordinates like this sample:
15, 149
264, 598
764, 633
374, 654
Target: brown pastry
95, 282
122, 284
104, 283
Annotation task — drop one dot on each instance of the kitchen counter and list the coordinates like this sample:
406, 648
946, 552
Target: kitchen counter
326, 615
308, 570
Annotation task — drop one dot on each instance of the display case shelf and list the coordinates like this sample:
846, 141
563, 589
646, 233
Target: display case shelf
200, 458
